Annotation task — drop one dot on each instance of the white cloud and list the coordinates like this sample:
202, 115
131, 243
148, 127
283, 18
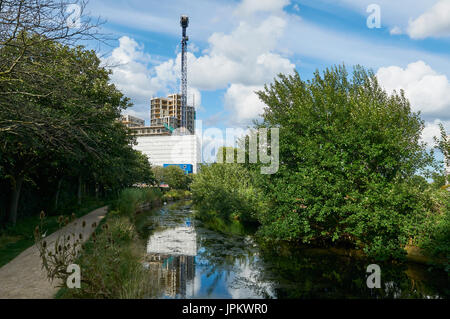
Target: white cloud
427, 90
435, 22
396, 12
240, 61
246, 52
432, 130
243, 103
130, 69
133, 74
395, 30
433, 16
194, 97
246, 55
331, 46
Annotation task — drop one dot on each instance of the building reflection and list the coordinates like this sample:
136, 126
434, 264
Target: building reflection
171, 261
173, 275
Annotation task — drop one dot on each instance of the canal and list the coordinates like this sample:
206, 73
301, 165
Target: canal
187, 259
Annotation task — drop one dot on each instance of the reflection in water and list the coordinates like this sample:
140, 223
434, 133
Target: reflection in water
187, 260
174, 275
181, 240
170, 257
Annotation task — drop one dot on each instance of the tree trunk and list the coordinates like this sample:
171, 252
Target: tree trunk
57, 192
96, 190
15, 199
79, 190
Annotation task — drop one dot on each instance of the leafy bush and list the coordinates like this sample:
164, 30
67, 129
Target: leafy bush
434, 237
228, 190
348, 151
111, 264
174, 176
111, 260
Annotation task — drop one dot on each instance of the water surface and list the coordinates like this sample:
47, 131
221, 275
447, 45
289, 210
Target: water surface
189, 260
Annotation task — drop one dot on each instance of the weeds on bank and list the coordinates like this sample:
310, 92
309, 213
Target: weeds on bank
110, 261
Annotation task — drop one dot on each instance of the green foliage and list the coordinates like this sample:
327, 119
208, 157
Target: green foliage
176, 194
111, 259
158, 173
58, 121
214, 221
443, 144
227, 189
434, 234
438, 180
348, 153
174, 176
111, 264
131, 198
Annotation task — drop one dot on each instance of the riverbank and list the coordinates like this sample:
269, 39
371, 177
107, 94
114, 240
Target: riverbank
190, 259
387, 225
111, 261
232, 226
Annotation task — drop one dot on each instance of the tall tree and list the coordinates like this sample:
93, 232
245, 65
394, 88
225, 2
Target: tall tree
348, 154
70, 116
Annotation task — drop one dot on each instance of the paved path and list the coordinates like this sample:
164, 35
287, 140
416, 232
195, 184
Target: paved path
24, 278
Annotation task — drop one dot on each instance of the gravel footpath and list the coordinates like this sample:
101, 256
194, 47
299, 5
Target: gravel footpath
23, 276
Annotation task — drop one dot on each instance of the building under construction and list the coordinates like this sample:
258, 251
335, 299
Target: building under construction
170, 138
168, 112
165, 118
132, 121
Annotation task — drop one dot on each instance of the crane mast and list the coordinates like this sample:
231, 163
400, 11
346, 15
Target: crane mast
184, 22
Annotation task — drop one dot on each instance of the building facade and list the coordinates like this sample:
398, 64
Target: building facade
166, 111
159, 142
170, 149
132, 121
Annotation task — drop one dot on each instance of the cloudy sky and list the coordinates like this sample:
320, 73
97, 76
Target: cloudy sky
235, 47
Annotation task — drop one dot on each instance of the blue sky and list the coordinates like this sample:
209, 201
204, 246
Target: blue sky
235, 47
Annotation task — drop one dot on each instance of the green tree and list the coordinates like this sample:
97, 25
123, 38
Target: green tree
66, 126
443, 144
229, 190
158, 172
348, 152
175, 177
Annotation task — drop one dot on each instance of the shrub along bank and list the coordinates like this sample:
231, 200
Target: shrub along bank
350, 158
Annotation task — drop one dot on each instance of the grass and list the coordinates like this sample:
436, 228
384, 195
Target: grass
131, 198
111, 262
14, 240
